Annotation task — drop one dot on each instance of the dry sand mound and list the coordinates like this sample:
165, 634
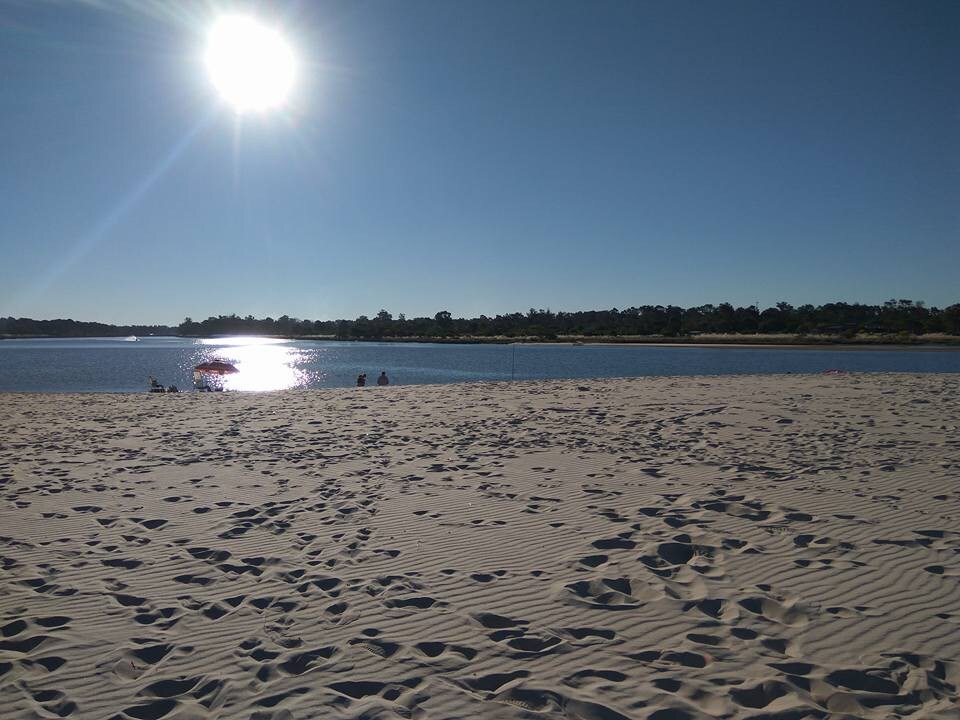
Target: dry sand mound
773, 547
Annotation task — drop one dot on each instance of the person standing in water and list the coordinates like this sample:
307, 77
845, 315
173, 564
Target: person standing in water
361, 379
383, 379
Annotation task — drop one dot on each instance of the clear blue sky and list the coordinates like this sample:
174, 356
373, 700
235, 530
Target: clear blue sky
480, 157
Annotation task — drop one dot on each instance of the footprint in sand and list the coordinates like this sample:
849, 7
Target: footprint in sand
777, 609
667, 659
495, 622
134, 662
594, 677
401, 694
445, 655
609, 593
412, 604
302, 662
491, 683
54, 702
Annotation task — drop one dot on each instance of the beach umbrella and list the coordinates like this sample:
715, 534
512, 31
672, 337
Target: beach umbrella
217, 367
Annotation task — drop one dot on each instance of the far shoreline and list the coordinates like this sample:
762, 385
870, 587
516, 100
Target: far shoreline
927, 343
938, 343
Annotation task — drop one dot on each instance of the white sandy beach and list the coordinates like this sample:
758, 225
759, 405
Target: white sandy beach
740, 547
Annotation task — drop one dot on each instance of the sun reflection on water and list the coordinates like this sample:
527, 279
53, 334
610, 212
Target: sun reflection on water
263, 363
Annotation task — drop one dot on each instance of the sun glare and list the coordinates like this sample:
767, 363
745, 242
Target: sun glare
250, 64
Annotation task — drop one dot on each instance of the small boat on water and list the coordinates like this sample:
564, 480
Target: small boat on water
131, 338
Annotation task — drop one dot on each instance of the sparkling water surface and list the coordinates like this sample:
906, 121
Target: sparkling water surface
123, 365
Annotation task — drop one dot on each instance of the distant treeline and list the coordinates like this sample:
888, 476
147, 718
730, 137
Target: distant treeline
894, 317
73, 328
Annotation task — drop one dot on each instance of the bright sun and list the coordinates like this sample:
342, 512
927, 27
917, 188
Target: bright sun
251, 65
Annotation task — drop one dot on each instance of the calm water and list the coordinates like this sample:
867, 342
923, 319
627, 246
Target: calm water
118, 365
